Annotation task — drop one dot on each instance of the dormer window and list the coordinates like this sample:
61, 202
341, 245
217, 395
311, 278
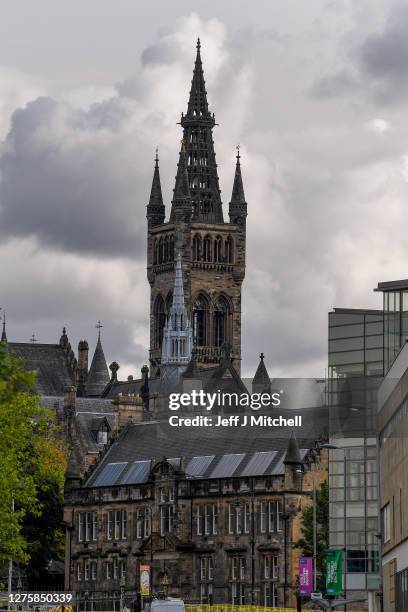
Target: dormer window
102, 437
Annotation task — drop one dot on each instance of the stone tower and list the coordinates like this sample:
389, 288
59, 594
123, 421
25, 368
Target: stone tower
212, 250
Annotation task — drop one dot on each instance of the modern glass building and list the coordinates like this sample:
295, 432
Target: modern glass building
355, 363
395, 304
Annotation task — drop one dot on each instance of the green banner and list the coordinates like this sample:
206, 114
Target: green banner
334, 572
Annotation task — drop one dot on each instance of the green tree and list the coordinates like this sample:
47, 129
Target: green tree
32, 468
305, 543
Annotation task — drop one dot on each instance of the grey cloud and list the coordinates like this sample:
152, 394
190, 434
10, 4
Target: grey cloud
378, 66
66, 179
337, 84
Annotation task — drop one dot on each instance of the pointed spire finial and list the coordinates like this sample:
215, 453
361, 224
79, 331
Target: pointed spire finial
238, 153
99, 327
261, 356
33, 339
198, 45
156, 158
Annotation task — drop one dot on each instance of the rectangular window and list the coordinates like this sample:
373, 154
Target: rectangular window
199, 520
279, 514
122, 569
115, 568
263, 517
207, 519
87, 524
231, 514
386, 523
142, 523
81, 527
93, 570
117, 525
247, 518
110, 526
86, 569
108, 570
271, 517
166, 519
79, 570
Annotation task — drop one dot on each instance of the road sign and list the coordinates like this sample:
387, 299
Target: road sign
316, 595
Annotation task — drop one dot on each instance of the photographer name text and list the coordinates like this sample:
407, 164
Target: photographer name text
235, 420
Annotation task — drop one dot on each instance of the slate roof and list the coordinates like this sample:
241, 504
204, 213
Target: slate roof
88, 412
157, 439
49, 363
98, 376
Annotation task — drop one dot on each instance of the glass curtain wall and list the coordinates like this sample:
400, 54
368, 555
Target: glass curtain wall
355, 372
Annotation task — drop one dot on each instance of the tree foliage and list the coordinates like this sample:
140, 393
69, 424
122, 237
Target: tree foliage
305, 543
32, 468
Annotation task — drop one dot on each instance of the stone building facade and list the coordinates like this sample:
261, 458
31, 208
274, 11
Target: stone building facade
214, 525
212, 250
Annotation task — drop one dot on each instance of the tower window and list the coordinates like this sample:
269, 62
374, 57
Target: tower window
207, 250
155, 252
159, 321
200, 320
197, 247
161, 251
221, 322
171, 248
218, 249
166, 248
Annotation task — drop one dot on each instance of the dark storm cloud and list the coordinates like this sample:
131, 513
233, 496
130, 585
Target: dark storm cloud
67, 181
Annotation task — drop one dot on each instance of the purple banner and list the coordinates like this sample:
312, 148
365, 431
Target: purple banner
305, 575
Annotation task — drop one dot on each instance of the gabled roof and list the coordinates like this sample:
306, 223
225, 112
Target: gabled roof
50, 364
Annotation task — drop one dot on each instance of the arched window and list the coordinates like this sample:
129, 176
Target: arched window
155, 252
159, 321
221, 321
197, 247
229, 250
218, 249
171, 248
166, 249
201, 311
161, 253
207, 250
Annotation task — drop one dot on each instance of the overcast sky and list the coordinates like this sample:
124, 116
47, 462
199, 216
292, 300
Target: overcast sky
315, 92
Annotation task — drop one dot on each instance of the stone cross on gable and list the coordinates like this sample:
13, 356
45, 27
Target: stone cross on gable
99, 327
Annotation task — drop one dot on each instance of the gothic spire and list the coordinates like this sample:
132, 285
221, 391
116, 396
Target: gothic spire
261, 382
3, 333
238, 206
181, 208
197, 125
98, 376
155, 209
177, 333
197, 103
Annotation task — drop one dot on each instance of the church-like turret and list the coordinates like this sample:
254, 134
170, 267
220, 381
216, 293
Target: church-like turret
98, 376
238, 205
155, 209
181, 206
261, 382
